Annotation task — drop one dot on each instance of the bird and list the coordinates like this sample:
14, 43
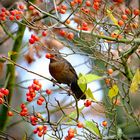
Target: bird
63, 72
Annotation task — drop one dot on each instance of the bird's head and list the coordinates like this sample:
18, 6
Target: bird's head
54, 57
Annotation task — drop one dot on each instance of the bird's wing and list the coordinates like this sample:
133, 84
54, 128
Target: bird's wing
70, 67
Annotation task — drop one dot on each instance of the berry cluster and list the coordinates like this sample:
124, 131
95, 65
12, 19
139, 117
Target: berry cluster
84, 26
96, 4
33, 120
3, 92
33, 39
24, 110
40, 130
36, 86
40, 100
62, 9
68, 35
12, 15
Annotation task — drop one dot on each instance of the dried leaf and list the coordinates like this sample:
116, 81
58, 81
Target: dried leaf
53, 43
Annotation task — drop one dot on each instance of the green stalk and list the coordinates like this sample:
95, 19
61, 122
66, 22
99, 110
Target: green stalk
10, 76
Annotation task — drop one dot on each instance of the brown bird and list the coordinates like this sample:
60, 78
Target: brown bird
63, 72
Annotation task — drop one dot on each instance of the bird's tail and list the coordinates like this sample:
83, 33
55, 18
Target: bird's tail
77, 91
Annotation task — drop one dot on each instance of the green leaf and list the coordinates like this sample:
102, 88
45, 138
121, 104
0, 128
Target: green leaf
113, 91
82, 83
84, 79
92, 77
89, 94
135, 82
93, 127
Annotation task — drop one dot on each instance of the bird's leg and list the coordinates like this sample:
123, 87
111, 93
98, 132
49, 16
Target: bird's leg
69, 90
54, 82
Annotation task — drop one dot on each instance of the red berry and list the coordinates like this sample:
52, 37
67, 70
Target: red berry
40, 134
62, 33
22, 106
31, 7
87, 103
44, 127
48, 91
11, 17
70, 36
39, 102
22, 113
13, 12
110, 71
41, 98
68, 21
18, 17
71, 135
64, 7
35, 131
136, 12
3, 9
96, 5
70, 130
35, 81
32, 94
25, 109
79, 1
85, 28
62, 11
72, 3
104, 123
84, 24
3, 18
7, 13
4, 91
124, 17
34, 37
119, 1
31, 41
127, 11
88, 3
29, 98
10, 113
120, 22
2, 14
44, 33
21, 7
80, 125
48, 55
37, 87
